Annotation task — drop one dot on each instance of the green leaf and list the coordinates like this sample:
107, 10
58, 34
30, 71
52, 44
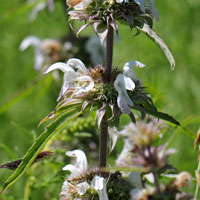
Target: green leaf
132, 117
161, 115
155, 37
61, 108
40, 142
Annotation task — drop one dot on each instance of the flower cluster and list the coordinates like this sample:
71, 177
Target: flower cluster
124, 91
85, 184
105, 13
139, 150
140, 153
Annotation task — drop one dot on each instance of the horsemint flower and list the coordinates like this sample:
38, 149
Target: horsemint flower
47, 51
83, 183
139, 150
86, 88
123, 92
105, 13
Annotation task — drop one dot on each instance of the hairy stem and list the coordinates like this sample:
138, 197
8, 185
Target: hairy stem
197, 186
103, 133
156, 182
109, 54
103, 142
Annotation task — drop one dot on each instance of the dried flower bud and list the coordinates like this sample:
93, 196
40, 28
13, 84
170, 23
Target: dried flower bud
13, 165
72, 3
182, 179
49, 46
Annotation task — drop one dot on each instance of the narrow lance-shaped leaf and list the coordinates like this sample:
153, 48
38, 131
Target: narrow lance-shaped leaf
155, 37
161, 115
61, 108
39, 144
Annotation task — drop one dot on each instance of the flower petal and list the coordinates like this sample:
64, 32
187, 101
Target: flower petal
123, 100
39, 59
76, 63
81, 160
82, 188
128, 69
86, 84
61, 66
68, 167
113, 134
64, 88
36, 43
28, 41
99, 184
129, 84
40, 6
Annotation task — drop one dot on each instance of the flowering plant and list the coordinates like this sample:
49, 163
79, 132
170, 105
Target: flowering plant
107, 93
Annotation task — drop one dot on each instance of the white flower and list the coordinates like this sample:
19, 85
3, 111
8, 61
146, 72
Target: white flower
80, 166
125, 82
43, 50
78, 80
99, 184
36, 43
121, 84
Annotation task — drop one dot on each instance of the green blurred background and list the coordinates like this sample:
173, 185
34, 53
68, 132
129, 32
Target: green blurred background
177, 93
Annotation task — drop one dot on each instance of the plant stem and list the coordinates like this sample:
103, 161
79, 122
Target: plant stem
109, 54
197, 186
103, 134
156, 182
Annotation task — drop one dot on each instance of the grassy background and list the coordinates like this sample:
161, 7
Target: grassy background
177, 93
